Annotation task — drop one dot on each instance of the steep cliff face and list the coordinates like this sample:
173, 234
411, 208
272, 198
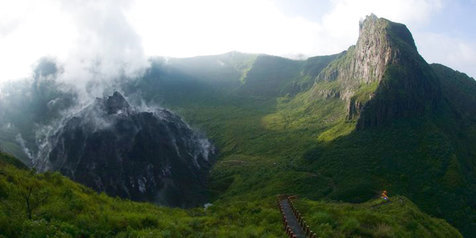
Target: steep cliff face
382, 77
113, 147
376, 48
407, 86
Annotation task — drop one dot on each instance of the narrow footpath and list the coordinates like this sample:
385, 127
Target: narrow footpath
290, 219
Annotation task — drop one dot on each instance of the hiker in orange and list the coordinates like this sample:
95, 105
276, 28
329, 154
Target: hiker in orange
384, 195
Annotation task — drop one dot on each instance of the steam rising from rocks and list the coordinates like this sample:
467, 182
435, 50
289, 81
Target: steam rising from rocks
108, 49
106, 53
112, 146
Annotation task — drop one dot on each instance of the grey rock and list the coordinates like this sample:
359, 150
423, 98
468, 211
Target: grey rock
149, 156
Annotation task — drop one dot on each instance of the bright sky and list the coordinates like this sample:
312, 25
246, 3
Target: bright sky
124, 32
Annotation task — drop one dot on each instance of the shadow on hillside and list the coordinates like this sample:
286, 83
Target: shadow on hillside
411, 157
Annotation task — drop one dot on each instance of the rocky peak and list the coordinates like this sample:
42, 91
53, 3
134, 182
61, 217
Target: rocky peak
373, 27
386, 54
380, 43
113, 147
115, 103
111, 107
385, 67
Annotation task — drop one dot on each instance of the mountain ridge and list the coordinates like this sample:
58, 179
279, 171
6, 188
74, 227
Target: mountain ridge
398, 131
341, 128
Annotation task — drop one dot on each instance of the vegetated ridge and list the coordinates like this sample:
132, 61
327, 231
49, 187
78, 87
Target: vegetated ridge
331, 128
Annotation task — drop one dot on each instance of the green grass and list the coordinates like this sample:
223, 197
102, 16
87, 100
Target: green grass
62, 208
276, 134
343, 128
375, 218
58, 207
365, 92
303, 144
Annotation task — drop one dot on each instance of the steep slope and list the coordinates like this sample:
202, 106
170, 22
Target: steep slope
415, 131
27, 104
415, 126
458, 89
374, 218
113, 147
60, 207
384, 66
208, 80
6, 159
51, 205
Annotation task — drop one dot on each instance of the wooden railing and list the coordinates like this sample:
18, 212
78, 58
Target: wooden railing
302, 223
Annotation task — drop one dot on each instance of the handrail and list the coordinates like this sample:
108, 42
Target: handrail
302, 223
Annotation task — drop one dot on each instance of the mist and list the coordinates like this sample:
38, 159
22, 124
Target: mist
122, 34
59, 55
98, 47
104, 53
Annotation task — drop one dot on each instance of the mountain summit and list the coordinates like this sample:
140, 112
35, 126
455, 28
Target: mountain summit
380, 44
382, 77
115, 104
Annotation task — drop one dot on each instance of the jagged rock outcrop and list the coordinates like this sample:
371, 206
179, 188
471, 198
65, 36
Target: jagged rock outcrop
382, 77
408, 86
151, 156
376, 48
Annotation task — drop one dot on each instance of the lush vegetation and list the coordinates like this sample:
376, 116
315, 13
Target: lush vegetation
302, 143
50, 205
375, 218
279, 131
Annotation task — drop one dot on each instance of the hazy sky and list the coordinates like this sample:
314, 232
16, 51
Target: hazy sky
123, 33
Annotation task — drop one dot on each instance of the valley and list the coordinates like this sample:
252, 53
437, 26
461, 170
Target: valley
334, 130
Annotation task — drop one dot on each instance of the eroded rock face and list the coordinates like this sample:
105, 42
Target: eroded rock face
376, 48
383, 74
407, 86
150, 156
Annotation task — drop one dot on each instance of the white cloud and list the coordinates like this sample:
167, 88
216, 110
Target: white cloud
341, 29
453, 52
188, 28
91, 39
120, 34
341, 23
31, 30
106, 47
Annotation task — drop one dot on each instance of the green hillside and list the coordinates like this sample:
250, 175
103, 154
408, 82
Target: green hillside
332, 128
399, 124
50, 205
375, 218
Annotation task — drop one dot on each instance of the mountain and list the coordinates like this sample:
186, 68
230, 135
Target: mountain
383, 77
335, 130
340, 127
206, 79
414, 126
113, 147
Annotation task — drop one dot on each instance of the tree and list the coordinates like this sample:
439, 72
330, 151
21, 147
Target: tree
33, 194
